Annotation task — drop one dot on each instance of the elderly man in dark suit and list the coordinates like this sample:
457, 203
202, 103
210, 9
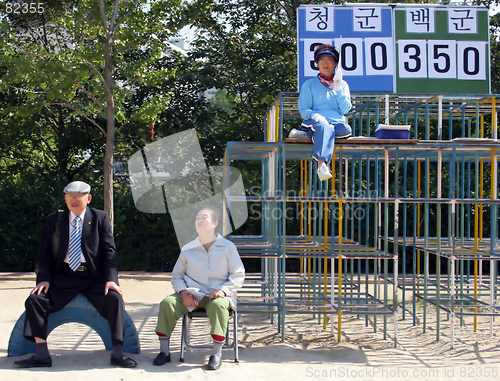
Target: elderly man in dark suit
85, 262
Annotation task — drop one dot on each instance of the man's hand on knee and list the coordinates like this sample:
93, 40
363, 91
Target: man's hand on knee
112, 286
41, 287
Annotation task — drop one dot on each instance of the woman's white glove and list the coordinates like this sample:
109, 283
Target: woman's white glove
319, 118
337, 80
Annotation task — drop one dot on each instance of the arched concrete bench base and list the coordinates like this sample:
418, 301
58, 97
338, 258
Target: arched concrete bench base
79, 310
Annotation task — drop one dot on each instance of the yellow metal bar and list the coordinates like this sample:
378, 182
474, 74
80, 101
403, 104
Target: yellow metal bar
302, 182
268, 123
276, 137
309, 229
481, 193
301, 272
471, 251
494, 121
471, 114
333, 172
325, 224
325, 290
485, 100
493, 177
475, 292
303, 192
306, 183
418, 212
476, 226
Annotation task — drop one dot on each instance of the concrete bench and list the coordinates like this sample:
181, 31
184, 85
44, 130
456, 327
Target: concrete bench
79, 310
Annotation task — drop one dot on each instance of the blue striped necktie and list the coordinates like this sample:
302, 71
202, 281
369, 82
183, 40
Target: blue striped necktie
75, 245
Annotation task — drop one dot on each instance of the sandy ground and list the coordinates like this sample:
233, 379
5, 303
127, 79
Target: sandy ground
309, 351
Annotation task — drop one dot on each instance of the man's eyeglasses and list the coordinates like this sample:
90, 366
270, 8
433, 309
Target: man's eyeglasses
76, 195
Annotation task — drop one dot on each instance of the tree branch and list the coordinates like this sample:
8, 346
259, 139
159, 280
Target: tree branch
100, 75
113, 18
90, 95
124, 123
86, 162
27, 91
121, 22
49, 121
47, 145
23, 160
103, 17
71, 63
66, 104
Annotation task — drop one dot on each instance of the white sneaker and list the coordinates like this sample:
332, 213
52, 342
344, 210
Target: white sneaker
324, 172
297, 134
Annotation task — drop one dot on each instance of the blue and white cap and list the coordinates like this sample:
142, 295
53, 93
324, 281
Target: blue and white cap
325, 50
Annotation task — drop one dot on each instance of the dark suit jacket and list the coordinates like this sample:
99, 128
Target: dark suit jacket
98, 246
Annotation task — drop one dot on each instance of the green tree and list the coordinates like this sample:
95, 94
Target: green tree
248, 49
71, 69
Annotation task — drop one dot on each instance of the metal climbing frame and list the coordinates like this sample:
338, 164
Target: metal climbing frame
391, 205
453, 203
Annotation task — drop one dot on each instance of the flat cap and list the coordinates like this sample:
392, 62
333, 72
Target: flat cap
77, 187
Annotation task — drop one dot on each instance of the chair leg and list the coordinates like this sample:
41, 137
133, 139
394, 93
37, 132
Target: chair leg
235, 322
183, 337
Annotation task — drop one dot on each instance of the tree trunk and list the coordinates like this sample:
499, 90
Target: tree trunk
110, 130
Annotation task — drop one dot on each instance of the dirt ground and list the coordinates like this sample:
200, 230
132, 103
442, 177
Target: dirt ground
308, 352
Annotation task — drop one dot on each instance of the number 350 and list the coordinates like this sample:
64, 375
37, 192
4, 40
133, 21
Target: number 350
442, 59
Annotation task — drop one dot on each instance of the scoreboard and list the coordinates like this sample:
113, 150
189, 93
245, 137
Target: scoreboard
400, 48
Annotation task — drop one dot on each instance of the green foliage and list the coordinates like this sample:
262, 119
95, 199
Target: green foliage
495, 53
23, 209
54, 98
145, 242
248, 49
56, 93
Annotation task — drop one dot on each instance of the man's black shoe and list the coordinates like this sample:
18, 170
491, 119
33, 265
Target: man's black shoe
161, 359
32, 362
123, 361
214, 362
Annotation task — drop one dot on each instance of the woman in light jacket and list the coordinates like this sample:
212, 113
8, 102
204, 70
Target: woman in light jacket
206, 275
